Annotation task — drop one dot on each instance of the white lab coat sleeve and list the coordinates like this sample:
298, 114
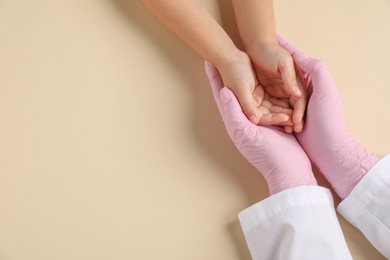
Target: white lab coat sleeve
298, 223
367, 207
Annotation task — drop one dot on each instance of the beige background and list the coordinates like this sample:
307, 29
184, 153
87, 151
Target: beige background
111, 146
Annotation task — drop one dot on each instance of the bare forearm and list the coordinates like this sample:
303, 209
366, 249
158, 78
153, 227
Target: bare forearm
256, 21
192, 24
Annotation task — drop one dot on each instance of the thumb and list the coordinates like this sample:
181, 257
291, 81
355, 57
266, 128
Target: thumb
233, 115
215, 82
287, 71
248, 104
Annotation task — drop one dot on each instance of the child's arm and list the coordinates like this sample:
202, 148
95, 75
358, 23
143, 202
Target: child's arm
274, 66
190, 22
256, 22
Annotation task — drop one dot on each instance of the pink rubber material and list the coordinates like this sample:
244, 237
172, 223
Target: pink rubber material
325, 136
277, 155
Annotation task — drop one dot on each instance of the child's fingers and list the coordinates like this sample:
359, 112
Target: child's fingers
287, 71
248, 104
288, 129
299, 105
273, 119
285, 103
277, 109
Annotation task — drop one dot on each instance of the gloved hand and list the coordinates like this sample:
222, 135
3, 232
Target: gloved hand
325, 136
276, 154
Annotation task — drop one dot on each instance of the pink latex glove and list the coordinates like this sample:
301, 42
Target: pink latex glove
276, 154
325, 136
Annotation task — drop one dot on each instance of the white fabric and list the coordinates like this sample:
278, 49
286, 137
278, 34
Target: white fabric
368, 206
298, 223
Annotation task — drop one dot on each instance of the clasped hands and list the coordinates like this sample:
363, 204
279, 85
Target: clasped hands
282, 157
265, 83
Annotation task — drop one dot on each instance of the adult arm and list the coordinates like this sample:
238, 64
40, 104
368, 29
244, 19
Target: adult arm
357, 175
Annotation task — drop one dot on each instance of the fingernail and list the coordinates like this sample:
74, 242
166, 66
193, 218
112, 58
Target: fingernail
298, 92
253, 119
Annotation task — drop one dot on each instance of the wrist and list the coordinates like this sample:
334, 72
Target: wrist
230, 57
260, 46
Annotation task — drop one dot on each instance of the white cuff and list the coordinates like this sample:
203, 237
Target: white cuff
298, 223
368, 206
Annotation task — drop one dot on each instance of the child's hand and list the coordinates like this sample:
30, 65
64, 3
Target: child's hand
238, 75
274, 68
